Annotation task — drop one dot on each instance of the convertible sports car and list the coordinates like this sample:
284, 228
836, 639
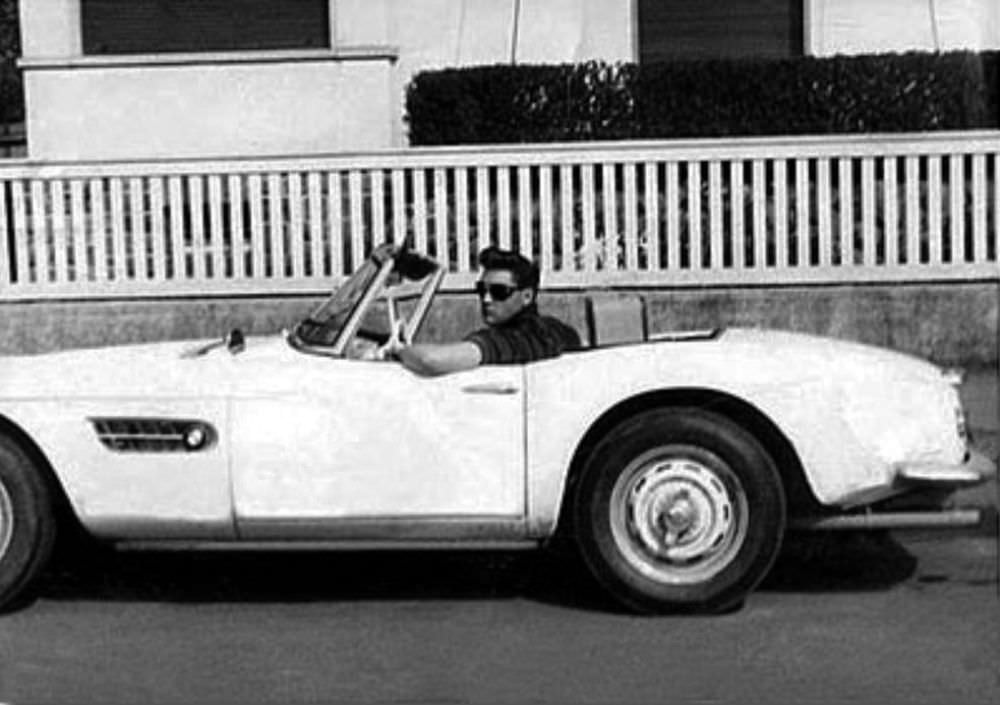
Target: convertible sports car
675, 464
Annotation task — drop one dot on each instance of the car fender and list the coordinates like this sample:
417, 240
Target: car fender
817, 395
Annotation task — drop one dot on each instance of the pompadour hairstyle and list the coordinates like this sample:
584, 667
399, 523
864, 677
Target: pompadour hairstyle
525, 272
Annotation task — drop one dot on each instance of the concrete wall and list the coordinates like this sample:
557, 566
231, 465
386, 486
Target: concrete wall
952, 324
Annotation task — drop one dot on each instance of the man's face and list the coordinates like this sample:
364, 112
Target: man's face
510, 300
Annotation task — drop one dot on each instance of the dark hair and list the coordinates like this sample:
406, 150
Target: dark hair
525, 272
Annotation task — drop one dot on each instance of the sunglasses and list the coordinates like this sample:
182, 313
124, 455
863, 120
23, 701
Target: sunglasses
497, 292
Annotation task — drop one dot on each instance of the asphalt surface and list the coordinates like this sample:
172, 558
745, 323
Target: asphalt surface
852, 619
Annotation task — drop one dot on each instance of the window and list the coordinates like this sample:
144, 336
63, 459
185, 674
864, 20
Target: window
695, 29
163, 26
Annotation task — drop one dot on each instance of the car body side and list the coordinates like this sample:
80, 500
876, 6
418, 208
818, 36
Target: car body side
853, 415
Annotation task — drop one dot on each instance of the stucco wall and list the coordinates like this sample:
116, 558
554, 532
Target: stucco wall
96, 109
877, 26
953, 324
348, 97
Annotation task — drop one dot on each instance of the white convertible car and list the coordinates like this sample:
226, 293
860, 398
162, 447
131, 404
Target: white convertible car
675, 464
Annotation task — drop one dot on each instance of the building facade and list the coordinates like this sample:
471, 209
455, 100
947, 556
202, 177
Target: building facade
127, 79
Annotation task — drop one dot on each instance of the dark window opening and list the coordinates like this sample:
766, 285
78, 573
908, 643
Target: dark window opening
164, 26
695, 29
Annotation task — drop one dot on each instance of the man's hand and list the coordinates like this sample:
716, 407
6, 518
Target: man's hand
398, 339
384, 253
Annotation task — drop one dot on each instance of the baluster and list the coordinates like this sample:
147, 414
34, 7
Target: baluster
824, 210
759, 216
441, 252
610, 244
868, 244
588, 250
40, 232
890, 209
503, 199
652, 216
296, 225
179, 261
216, 239
237, 242
524, 209
566, 216
258, 261
934, 206
912, 211
979, 208
956, 192
315, 200
802, 204
462, 232
780, 187
60, 241
738, 224
78, 218
546, 217
631, 218
673, 217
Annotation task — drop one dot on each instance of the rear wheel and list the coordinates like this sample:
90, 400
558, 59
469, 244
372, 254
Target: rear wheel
679, 509
27, 523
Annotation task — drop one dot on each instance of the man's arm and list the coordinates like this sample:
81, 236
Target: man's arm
439, 358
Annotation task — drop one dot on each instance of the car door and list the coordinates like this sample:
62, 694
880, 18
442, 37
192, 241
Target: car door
334, 448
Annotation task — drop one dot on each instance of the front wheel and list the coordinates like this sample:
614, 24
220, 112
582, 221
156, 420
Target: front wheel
27, 523
678, 510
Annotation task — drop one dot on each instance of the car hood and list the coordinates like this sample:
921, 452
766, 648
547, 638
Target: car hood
173, 369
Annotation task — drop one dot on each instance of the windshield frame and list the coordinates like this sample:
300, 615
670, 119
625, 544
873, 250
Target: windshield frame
378, 284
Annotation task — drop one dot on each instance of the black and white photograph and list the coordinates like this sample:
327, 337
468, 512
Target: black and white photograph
476, 352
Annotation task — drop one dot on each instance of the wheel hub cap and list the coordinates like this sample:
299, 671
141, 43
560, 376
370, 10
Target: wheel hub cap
679, 514
680, 510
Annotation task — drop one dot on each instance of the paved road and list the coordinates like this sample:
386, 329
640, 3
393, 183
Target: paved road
861, 620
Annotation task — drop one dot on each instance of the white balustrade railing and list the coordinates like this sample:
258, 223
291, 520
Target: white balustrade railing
679, 213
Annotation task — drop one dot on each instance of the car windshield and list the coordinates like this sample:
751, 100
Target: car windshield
323, 326
325, 323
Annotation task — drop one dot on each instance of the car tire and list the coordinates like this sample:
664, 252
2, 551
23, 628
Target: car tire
27, 524
679, 510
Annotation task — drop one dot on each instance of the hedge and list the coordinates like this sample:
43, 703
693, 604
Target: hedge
910, 92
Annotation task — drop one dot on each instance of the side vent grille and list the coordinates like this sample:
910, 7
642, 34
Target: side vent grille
154, 435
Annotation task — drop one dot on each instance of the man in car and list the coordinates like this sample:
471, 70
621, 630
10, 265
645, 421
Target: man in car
515, 331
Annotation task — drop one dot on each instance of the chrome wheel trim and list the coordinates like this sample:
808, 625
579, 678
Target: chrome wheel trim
6, 520
679, 514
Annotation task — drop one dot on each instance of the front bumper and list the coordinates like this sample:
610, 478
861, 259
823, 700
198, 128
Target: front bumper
975, 470
924, 487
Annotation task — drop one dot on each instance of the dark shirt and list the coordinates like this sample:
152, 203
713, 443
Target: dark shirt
527, 336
